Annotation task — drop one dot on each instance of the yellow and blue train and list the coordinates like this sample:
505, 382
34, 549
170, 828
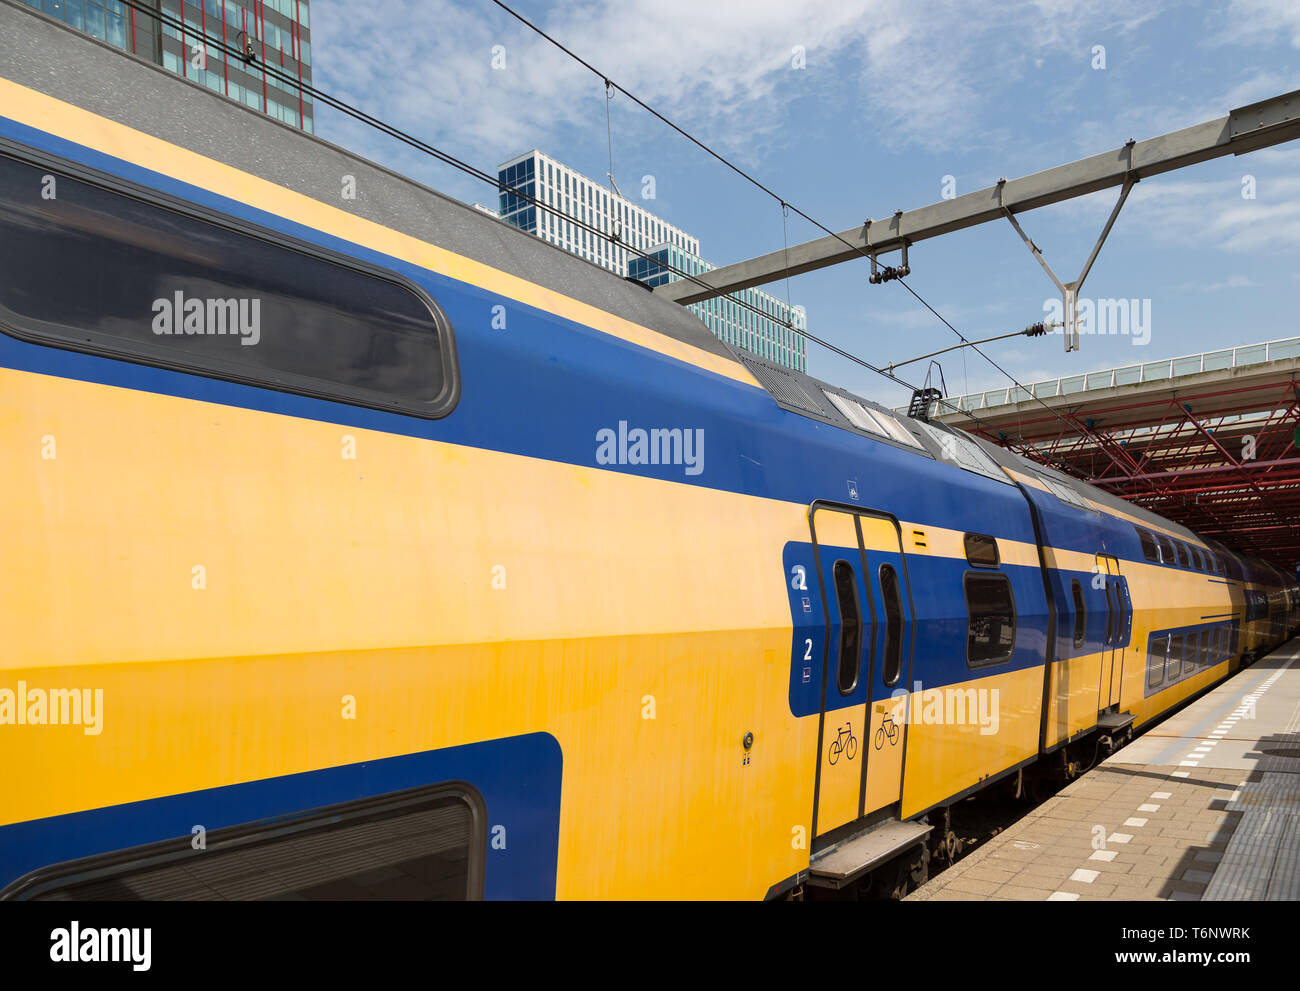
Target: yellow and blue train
365, 546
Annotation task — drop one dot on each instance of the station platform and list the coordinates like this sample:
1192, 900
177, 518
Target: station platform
1203, 807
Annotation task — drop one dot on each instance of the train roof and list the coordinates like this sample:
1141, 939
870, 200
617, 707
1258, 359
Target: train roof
1090, 492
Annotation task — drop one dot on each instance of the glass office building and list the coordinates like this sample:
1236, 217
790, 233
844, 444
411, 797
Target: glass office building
277, 33
574, 197
766, 333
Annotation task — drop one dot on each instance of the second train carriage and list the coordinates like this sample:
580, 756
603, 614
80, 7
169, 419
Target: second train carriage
580, 603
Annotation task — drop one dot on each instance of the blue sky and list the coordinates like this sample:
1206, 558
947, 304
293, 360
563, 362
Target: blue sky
893, 97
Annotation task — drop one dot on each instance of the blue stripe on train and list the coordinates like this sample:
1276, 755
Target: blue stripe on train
936, 646
518, 777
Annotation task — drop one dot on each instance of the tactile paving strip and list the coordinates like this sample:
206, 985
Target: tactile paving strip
1263, 856
1262, 861
1285, 886
1277, 791
1247, 866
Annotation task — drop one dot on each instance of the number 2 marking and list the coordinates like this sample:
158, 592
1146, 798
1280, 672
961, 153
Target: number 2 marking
807, 654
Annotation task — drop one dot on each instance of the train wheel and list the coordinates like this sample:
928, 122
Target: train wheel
889, 883
920, 872
953, 846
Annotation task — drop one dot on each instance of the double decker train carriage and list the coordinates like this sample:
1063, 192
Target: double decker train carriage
371, 547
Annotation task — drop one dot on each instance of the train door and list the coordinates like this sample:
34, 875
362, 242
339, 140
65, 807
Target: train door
850, 626
1118, 618
890, 672
868, 639
1124, 628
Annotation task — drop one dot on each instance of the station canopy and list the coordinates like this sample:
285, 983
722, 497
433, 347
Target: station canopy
1207, 440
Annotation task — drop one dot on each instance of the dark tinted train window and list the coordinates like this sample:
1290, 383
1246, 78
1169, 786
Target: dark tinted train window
1149, 549
1174, 664
1191, 653
1256, 605
846, 594
982, 551
893, 598
1156, 660
406, 849
1167, 555
1080, 613
1112, 614
1184, 559
991, 632
100, 271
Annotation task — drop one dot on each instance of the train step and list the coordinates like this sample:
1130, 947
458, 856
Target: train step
846, 862
1112, 722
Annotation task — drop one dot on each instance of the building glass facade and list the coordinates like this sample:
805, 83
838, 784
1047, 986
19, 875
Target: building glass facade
766, 334
574, 197
278, 31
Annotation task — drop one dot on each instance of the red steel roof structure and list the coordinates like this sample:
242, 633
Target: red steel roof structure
1207, 440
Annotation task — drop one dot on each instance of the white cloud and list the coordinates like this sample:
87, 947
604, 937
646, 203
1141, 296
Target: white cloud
1259, 85
915, 73
429, 66
1263, 22
1231, 282
1211, 213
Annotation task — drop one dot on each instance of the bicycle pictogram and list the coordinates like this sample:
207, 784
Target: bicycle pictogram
844, 743
887, 728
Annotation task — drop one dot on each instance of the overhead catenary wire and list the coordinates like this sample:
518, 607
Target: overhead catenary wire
609, 135
446, 158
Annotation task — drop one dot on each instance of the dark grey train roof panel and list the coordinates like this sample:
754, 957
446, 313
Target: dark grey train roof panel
801, 393
46, 55
784, 386
1100, 496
